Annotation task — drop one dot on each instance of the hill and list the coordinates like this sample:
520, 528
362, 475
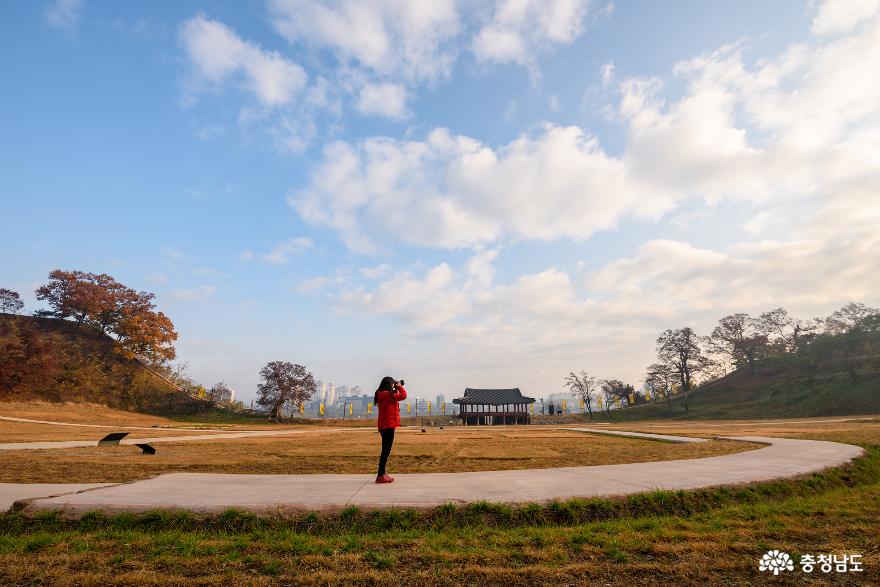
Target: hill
60, 360
779, 393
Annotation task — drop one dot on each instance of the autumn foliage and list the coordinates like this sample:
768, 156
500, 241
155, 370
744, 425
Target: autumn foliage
99, 301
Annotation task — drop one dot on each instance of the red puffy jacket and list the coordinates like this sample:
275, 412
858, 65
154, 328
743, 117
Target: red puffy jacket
389, 411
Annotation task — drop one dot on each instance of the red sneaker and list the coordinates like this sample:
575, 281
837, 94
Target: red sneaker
384, 479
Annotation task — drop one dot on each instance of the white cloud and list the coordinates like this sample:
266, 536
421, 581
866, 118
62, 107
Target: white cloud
377, 272
606, 74
218, 54
452, 191
607, 320
798, 127
388, 100
840, 16
313, 284
398, 38
192, 294
520, 28
64, 14
282, 252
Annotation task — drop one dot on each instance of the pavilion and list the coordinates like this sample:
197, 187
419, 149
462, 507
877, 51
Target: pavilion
493, 406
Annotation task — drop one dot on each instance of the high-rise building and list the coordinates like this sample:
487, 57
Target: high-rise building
320, 391
342, 391
441, 399
330, 398
356, 390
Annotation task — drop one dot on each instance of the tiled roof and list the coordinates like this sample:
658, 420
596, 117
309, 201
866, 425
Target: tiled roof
493, 397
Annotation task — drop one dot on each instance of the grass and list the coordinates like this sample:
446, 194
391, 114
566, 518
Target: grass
31, 432
351, 451
712, 536
706, 537
784, 395
79, 413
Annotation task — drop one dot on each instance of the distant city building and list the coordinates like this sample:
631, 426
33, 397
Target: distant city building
441, 399
330, 398
342, 391
356, 390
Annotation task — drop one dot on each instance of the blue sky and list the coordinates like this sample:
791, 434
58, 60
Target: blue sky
462, 194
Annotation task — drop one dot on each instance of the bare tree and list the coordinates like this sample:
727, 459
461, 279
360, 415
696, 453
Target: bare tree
660, 380
614, 390
681, 350
848, 317
584, 386
780, 326
740, 338
283, 384
10, 301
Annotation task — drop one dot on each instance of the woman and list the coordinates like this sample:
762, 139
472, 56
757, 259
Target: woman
386, 397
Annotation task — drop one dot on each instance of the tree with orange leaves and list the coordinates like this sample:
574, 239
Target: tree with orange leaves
100, 301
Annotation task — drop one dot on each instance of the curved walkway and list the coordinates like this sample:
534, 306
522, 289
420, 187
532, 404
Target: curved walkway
208, 492
208, 435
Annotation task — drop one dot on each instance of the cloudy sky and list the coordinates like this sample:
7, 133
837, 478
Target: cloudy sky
482, 194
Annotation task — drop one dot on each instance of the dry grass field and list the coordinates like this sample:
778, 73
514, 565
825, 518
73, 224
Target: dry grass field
351, 451
709, 537
11, 431
92, 421
80, 413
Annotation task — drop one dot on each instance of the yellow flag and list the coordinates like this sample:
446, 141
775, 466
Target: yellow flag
322, 408
582, 403
350, 409
532, 408
407, 407
370, 408
632, 398
599, 402
302, 408
443, 407
563, 405
647, 395
429, 407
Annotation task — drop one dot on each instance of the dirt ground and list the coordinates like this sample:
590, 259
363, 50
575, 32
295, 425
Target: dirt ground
352, 451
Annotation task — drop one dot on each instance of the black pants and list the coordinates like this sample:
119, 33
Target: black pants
387, 441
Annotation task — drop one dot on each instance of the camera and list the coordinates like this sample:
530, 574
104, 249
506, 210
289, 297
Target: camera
400, 382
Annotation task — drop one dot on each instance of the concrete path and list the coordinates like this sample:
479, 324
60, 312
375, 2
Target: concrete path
645, 435
205, 492
54, 423
12, 492
46, 444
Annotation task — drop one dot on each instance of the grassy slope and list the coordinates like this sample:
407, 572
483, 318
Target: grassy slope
87, 368
743, 396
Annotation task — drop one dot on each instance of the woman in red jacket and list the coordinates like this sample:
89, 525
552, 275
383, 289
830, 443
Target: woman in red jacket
386, 397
